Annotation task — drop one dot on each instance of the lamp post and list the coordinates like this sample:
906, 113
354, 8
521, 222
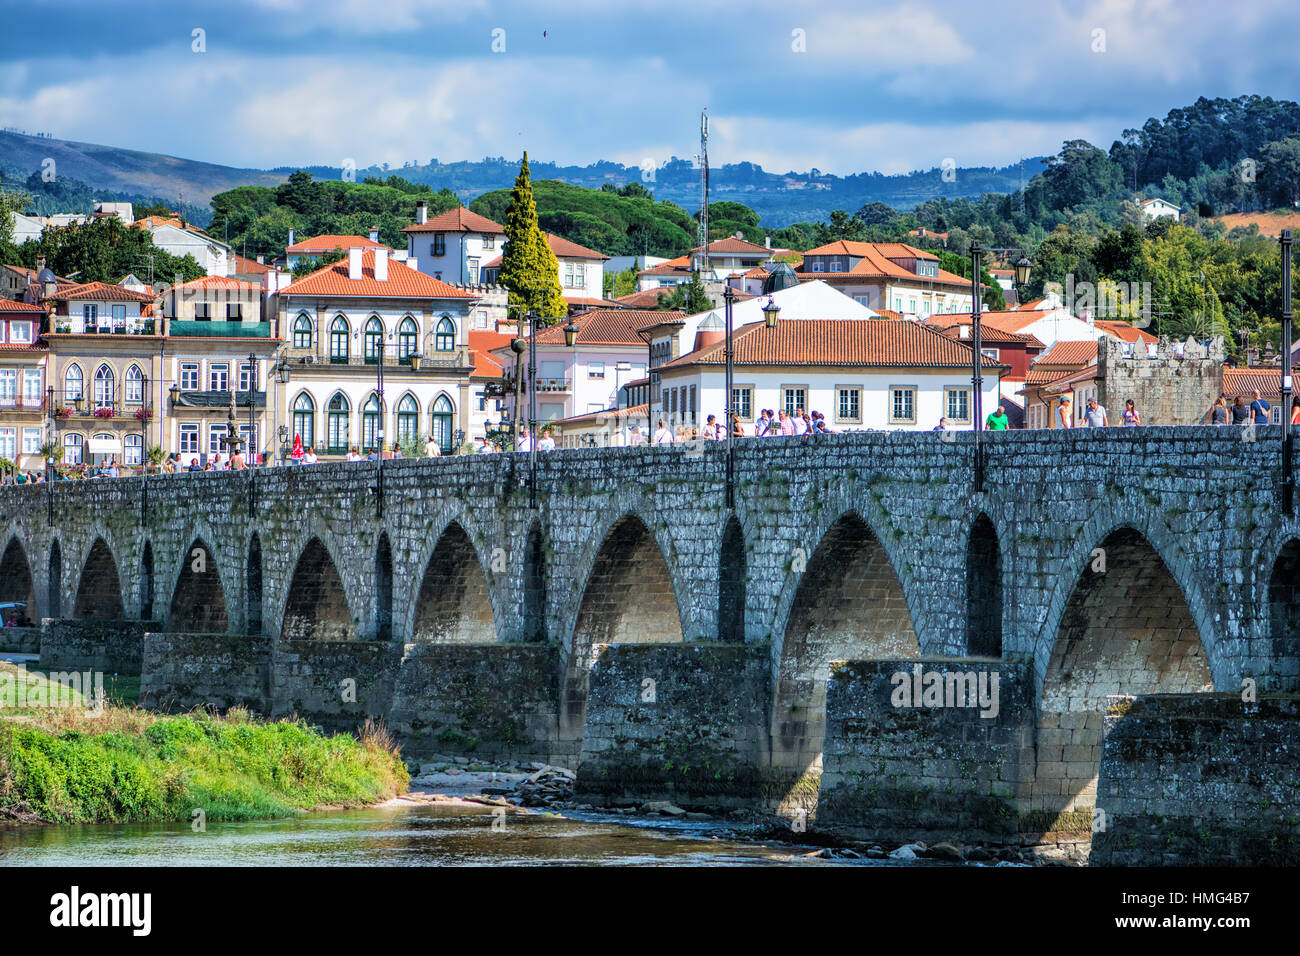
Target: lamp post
49, 459
144, 450
379, 435
1288, 437
728, 298
570, 340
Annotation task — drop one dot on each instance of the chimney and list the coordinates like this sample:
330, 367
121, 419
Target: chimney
706, 337
354, 264
40, 264
767, 241
374, 233
421, 213
290, 235
381, 265
259, 260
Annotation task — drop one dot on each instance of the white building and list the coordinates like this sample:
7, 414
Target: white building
609, 353
580, 272
455, 245
318, 246
1160, 209
172, 236
339, 321
889, 374
889, 276
725, 257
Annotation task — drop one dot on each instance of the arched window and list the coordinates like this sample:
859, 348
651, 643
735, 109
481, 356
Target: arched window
72, 383
408, 420
441, 418
408, 339
302, 331
304, 420
103, 387
370, 424
374, 342
135, 385
445, 338
72, 449
336, 425
339, 341
133, 446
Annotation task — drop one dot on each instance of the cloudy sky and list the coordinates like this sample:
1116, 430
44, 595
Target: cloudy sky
841, 86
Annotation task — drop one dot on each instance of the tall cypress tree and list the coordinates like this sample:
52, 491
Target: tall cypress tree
528, 267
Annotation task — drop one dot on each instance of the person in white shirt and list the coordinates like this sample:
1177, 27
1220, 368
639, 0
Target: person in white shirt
431, 449
525, 441
663, 436
310, 458
636, 438
353, 454
485, 447
800, 426
1063, 414
547, 441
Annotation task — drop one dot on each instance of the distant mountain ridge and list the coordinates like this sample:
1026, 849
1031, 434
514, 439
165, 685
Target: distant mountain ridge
780, 198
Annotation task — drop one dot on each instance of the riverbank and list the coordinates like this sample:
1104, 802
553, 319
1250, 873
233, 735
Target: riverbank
119, 764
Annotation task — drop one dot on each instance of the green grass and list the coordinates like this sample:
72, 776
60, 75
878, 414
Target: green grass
69, 766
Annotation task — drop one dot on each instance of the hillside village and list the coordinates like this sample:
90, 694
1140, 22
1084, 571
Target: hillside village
343, 347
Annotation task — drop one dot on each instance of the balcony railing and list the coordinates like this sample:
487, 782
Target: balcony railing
23, 403
63, 405
77, 325
554, 385
456, 358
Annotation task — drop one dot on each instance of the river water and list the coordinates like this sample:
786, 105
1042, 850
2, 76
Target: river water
437, 834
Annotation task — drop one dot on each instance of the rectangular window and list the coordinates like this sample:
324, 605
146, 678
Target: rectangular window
595, 370
902, 404
742, 402
190, 438
234, 312
439, 245
694, 410
794, 396
245, 376
472, 265
489, 242
9, 443
219, 377
132, 448
31, 441
89, 315
202, 312
119, 316
32, 387
249, 438
217, 439
20, 333
849, 404
957, 405
190, 377
8, 386
72, 449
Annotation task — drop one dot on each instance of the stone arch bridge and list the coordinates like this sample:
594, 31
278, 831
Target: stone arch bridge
631, 622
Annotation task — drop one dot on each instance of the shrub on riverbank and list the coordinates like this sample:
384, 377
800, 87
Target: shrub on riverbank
68, 766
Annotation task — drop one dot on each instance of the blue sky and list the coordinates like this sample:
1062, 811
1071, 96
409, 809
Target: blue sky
841, 86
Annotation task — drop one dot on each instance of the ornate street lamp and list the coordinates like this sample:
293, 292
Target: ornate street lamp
416, 359
728, 298
1023, 265
1288, 436
770, 312
571, 334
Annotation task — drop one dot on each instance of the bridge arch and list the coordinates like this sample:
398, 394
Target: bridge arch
849, 605
1284, 615
383, 588
147, 582
453, 604
99, 587
534, 586
16, 581
54, 581
1127, 628
253, 587
984, 584
733, 573
316, 606
198, 602
1129, 512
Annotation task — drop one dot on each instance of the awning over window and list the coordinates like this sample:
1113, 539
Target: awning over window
105, 446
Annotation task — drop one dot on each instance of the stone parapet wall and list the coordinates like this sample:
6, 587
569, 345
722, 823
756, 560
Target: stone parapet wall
184, 671
115, 647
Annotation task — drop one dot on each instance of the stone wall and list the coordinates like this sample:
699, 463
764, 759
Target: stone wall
898, 772
20, 640
1176, 386
681, 722
1205, 780
115, 647
482, 700
183, 671
336, 684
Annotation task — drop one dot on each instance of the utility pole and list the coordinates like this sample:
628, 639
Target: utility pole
1288, 436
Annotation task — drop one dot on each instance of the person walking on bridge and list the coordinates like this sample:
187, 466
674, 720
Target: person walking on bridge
1095, 416
1063, 415
1259, 409
997, 420
1131, 417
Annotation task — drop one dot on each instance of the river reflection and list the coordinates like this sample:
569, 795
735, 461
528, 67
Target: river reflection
413, 835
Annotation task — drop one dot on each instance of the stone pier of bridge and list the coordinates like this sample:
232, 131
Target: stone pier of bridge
634, 627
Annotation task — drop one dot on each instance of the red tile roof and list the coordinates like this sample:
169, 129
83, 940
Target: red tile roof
608, 414
587, 302
243, 266
102, 292
403, 282
1041, 376
646, 299
459, 219
679, 266
880, 343
481, 344
7, 305
329, 243
876, 260
1067, 382
951, 324
565, 249
1069, 354
1243, 381
222, 283
733, 245
603, 327
1125, 331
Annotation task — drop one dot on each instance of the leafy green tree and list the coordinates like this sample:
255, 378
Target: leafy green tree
104, 250
11, 202
529, 269
307, 266
1279, 173
697, 300
991, 297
